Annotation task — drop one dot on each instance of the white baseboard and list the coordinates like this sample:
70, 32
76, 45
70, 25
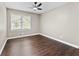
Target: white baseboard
75, 46
15, 37
23, 36
3, 46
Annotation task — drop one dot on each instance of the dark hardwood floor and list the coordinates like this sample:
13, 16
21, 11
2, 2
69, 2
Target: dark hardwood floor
38, 46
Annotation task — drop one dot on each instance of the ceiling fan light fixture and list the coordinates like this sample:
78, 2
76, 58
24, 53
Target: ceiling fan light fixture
34, 8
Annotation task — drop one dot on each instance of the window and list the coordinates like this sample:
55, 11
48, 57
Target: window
19, 22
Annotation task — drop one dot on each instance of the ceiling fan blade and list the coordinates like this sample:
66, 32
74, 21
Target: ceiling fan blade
39, 5
35, 2
39, 8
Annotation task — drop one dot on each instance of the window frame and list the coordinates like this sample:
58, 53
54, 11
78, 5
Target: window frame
19, 13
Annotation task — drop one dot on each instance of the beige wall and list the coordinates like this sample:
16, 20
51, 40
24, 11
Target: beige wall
34, 24
2, 26
62, 23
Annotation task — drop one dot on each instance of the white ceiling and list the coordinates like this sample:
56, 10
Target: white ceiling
26, 6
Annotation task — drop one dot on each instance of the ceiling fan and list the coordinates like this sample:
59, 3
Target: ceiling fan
36, 6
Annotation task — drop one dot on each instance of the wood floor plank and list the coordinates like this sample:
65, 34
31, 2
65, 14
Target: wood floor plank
37, 46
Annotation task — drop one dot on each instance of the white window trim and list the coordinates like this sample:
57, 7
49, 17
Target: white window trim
21, 23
